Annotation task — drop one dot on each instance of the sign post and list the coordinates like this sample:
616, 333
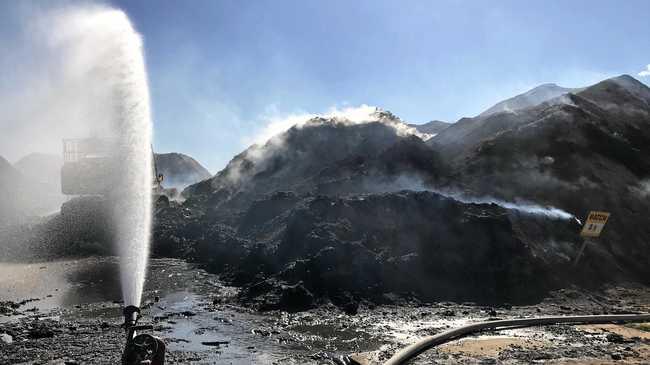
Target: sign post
593, 227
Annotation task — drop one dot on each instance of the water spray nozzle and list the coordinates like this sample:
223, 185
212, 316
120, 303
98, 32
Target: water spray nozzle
131, 316
140, 348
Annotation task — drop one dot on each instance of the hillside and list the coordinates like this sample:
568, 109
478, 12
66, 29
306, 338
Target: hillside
8, 185
530, 98
42, 167
25, 196
44, 170
180, 170
433, 127
322, 157
588, 152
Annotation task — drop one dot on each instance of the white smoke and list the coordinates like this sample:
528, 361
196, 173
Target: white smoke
530, 208
62, 92
276, 125
271, 138
642, 189
646, 72
522, 205
414, 183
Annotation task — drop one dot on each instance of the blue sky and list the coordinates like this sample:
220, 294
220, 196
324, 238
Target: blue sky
219, 70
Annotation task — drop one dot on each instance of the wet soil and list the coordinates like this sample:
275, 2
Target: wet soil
68, 312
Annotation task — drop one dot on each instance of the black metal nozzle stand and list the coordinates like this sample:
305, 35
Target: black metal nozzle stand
143, 348
131, 316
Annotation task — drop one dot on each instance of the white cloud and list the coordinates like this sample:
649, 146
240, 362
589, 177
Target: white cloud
645, 72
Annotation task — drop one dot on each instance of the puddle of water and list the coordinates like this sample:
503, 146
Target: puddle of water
188, 333
60, 283
536, 333
406, 332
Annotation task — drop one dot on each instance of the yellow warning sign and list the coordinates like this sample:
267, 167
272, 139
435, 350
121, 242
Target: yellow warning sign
594, 224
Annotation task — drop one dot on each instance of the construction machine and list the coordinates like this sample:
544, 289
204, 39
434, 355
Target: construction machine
89, 165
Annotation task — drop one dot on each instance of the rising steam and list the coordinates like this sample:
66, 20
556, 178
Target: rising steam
276, 125
414, 183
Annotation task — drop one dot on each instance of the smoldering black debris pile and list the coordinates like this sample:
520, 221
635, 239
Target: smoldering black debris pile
348, 213
580, 152
294, 252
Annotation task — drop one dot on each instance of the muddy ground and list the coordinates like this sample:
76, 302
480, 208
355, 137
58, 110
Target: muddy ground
68, 312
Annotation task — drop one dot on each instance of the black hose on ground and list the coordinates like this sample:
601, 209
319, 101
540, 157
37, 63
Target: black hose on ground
411, 351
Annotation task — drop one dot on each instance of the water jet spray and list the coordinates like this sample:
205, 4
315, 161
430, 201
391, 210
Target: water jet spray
108, 52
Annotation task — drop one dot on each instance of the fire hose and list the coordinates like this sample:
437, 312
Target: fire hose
411, 351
